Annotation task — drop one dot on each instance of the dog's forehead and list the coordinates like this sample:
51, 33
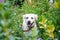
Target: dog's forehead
29, 15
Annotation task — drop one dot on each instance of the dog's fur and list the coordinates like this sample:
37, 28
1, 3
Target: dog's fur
29, 25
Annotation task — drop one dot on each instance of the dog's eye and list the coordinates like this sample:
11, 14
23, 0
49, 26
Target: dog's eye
31, 17
26, 17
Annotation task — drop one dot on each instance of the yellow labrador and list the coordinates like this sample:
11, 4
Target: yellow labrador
29, 25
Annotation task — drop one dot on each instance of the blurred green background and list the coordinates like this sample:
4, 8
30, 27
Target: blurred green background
48, 23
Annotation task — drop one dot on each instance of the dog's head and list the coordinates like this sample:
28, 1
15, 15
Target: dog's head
30, 19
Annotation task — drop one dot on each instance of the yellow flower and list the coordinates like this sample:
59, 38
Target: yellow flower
49, 30
57, 4
43, 22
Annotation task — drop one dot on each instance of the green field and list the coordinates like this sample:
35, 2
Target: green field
11, 14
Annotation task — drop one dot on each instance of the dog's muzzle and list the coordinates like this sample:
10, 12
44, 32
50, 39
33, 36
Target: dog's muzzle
30, 25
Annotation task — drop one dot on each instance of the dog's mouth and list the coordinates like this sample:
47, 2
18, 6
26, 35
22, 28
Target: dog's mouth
30, 25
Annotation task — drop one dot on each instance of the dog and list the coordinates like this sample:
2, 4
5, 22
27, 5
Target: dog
29, 25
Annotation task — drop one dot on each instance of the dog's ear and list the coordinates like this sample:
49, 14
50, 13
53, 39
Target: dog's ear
35, 16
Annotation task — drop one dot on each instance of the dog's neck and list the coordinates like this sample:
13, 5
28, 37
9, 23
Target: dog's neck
28, 29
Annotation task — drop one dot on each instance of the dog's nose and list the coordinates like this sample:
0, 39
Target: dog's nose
28, 22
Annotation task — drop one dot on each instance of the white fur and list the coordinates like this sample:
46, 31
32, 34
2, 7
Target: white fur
25, 27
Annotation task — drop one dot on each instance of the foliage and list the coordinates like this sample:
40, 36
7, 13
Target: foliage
48, 22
